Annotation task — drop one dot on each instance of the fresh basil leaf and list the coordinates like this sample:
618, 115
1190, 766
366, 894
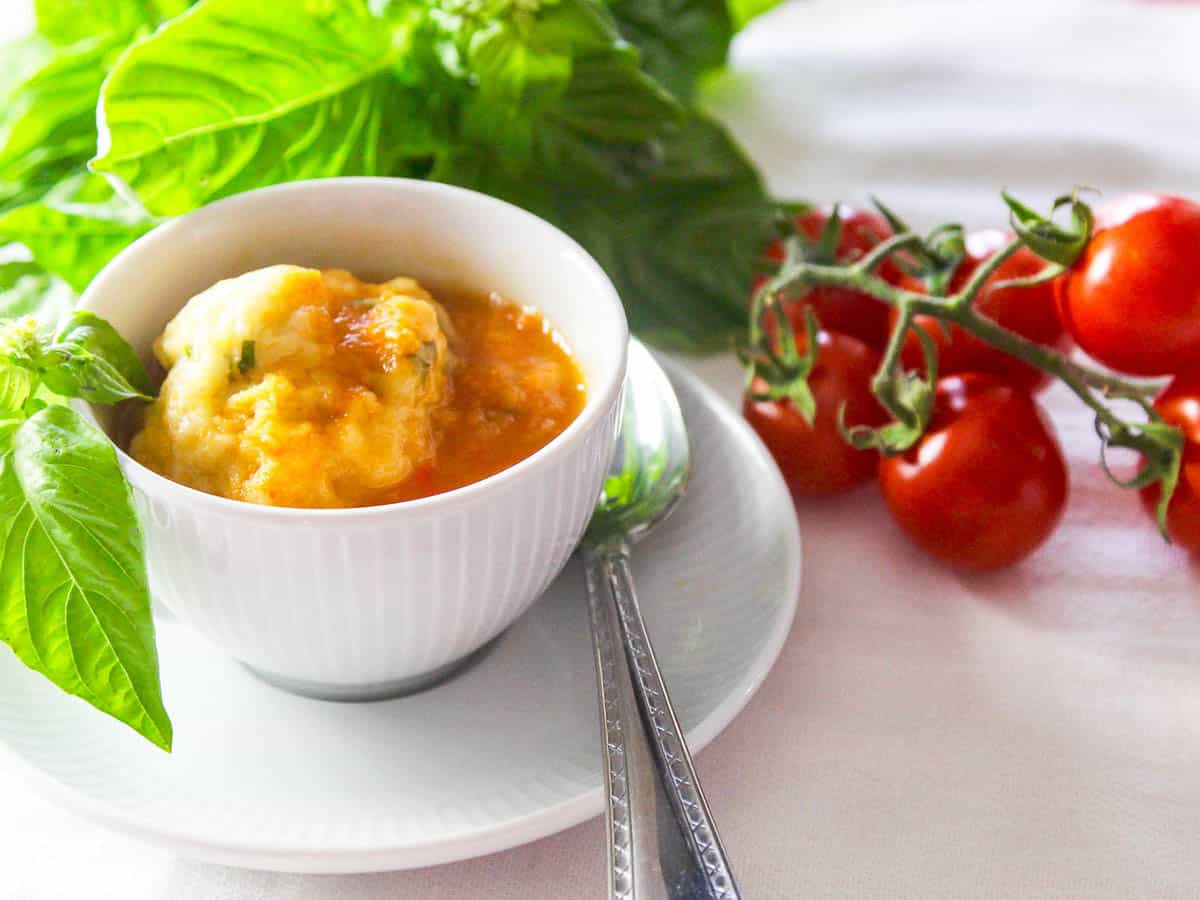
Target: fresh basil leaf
248, 94
89, 359
508, 77
610, 99
679, 39
554, 66
27, 289
679, 233
8, 428
49, 85
667, 204
67, 21
682, 243
76, 228
74, 602
20, 59
16, 386
48, 114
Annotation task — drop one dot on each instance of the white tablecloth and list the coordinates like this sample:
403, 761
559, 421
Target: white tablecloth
1031, 734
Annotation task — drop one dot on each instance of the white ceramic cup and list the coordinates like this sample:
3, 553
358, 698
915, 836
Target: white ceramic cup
359, 603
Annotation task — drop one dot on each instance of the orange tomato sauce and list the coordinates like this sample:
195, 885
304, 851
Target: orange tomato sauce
514, 388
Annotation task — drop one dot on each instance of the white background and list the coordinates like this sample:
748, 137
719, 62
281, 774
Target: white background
1031, 734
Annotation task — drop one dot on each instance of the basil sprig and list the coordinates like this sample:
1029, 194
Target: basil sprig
74, 600
586, 112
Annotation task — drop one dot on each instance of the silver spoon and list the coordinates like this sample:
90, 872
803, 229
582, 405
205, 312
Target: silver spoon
656, 850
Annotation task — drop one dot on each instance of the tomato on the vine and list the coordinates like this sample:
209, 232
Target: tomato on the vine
815, 459
1179, 405
1132, 299
839, 309
986, 484
1029, 311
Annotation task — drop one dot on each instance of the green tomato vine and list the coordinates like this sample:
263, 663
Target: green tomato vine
907, 395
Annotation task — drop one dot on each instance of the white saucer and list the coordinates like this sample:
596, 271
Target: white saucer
505, 752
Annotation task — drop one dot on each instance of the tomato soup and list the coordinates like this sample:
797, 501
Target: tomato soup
304, 388
514, 389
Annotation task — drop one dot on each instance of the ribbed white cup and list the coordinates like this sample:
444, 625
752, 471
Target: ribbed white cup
360, 602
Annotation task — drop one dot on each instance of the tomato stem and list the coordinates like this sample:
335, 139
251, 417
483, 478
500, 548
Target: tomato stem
884, 249
964, 298
1049, 273
957, 310
883, 384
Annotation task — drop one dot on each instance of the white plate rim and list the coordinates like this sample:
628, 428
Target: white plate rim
492, 837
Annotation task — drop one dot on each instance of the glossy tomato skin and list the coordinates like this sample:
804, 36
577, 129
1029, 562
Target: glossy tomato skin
815, 460
1179, 404
840, 310
1030, 312
1132, 299
986, 484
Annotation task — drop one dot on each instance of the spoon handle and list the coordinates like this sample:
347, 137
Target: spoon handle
633, 871
636, 710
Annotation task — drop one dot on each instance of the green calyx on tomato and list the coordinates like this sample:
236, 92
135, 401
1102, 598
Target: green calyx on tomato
778, 365
906, 395
1060, 244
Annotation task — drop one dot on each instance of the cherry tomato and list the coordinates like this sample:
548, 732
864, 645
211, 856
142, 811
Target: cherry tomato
1028, 311
986, 484
815, 459
1179, 404
1132, 299
838, 309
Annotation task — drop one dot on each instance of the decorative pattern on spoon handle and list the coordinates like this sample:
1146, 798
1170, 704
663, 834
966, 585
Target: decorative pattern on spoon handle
683, 787
620, 832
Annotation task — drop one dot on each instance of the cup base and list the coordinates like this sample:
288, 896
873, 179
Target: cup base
365, 693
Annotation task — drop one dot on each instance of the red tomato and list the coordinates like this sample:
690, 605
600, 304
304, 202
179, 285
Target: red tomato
986, 484
816, 459
1179, 404
1132, 299
838, 309
1029, 312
